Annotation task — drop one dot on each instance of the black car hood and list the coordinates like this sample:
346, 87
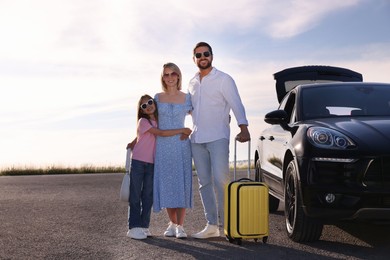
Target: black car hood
370, 133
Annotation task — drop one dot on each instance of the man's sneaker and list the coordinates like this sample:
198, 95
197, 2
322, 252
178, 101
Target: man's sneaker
171, 230
147, 232
136, 233
207, 232
180, 233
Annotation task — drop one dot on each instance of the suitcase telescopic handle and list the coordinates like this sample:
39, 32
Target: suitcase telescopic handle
235, 159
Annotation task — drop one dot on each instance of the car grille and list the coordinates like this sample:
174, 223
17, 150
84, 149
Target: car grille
334, 173
369, 173
364, 183
378, 173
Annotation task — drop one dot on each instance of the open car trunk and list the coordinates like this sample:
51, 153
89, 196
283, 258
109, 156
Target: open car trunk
289, 78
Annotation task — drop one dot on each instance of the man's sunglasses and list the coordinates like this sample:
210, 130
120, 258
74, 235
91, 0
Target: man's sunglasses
149, 103
199, 54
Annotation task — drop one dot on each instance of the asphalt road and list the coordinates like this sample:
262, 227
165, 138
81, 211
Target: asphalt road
81, 217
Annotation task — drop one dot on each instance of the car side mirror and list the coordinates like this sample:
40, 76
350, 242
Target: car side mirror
276, 117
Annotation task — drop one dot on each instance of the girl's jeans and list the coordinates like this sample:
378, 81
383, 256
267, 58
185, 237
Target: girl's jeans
141, 194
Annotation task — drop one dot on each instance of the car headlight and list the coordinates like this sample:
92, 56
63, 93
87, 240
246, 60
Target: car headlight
327, 138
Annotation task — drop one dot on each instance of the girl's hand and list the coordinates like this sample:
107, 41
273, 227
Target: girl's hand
132, 144
187, 131
185, 134
183, 137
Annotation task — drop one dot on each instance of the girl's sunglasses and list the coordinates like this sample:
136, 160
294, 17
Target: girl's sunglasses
149, 103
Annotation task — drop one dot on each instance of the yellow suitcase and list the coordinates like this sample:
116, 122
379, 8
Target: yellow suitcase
246, 210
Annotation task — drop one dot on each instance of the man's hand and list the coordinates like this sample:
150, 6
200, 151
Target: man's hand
244, 135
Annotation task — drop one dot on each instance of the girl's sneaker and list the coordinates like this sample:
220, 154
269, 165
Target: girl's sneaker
171, 230
180, 233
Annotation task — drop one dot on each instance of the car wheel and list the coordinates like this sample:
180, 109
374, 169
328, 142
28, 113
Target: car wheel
300, 228
273, 204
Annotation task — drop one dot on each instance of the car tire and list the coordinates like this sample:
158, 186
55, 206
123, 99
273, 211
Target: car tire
300, 228
273, 204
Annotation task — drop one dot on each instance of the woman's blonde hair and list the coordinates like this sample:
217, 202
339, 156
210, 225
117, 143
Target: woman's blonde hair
176, 69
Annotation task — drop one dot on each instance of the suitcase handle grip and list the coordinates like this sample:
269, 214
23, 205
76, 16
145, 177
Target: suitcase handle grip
244, 179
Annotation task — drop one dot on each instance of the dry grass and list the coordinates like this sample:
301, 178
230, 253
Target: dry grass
57, 169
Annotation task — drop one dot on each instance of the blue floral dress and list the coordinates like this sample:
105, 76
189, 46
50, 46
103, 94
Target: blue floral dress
173, 161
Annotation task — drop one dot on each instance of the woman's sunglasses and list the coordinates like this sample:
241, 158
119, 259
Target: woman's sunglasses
199, 54
149, 103
167, 75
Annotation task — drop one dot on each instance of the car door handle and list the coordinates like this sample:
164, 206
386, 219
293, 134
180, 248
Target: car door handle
271, 138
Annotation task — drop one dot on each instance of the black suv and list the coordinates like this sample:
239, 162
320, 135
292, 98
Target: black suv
326, 154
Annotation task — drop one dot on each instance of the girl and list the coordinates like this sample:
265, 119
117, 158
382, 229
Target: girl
142, 167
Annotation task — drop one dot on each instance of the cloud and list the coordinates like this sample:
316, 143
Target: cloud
29, 28
291, 18
117, 37
105, 31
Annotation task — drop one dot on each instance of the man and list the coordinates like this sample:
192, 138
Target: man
213, 93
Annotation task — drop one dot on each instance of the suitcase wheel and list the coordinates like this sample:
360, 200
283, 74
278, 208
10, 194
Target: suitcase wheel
232, 240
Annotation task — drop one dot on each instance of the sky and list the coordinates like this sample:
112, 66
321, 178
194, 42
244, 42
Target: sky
72, 71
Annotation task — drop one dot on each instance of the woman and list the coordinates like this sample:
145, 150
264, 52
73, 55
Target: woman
173, 161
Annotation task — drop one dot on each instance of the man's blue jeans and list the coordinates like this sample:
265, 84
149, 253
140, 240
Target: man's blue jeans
212, 167
141, 194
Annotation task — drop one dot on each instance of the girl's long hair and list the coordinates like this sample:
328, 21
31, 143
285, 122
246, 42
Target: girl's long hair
141, 113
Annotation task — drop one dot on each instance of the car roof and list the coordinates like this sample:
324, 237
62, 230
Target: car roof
289, 78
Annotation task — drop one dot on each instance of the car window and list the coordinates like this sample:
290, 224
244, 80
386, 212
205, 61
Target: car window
293, 118
288, 104
327, 100
293, 83
345, 111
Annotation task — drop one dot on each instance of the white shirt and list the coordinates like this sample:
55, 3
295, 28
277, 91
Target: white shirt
212, 99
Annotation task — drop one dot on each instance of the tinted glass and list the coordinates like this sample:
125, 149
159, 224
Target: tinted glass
347, 100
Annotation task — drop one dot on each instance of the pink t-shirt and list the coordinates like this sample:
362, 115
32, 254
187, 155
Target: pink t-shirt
145, 147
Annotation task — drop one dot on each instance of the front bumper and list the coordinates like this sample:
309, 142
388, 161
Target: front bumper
359, 189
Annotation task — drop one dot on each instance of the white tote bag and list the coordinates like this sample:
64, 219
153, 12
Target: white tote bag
125, 188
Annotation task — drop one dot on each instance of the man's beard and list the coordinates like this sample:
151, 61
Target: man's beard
208, 65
